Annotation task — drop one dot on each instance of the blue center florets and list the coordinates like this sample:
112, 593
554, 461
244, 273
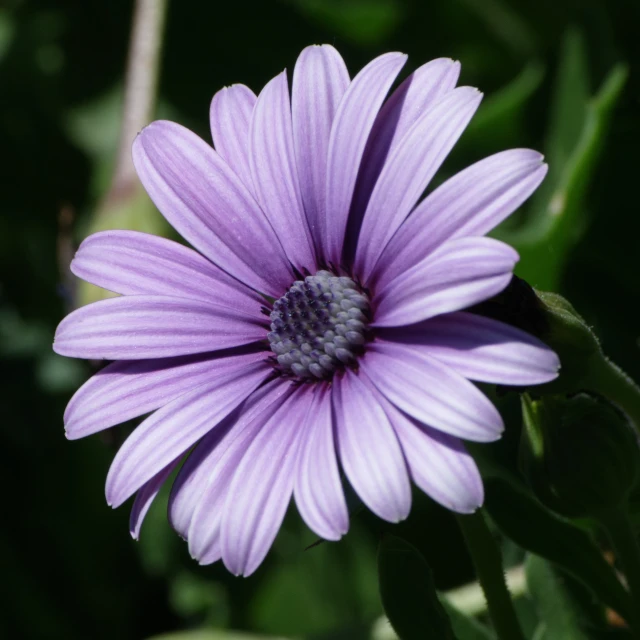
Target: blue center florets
319, 325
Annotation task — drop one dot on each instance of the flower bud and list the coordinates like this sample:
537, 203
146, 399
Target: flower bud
572, 339
552, 319
579, 454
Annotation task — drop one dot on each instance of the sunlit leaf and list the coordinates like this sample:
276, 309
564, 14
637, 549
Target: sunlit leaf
465, 627
558, 613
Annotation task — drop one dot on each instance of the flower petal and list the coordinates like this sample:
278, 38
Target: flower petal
230, 116
274, 172
409, 169
193, 478
481, 348
369, 450
405, 105
171, 430
318, 490
134, 263
431, 392
460, 273
138, 327
262, 486
206, 474
126, 389
209, 206
438, 463
320, 79
349, 133
221, 466
145, 497
471, 203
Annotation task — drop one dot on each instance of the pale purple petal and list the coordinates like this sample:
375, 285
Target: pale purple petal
320, 79
217, 470
171, 430
202, 483
126, 389
206, 202
134, 263
369, 450
318, 490
409, 169
471, 203
459, 274
137, 327
262, 486
438, 463
349, 133
481, 348
230, 116
194, 476
431, 392
145, 497
405, 105
274, 172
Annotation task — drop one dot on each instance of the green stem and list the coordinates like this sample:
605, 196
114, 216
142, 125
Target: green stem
141, 85
488, 563
613, 383
625, 544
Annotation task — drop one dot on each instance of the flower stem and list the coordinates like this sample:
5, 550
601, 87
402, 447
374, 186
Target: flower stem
141, 85
613, 383
488, 563
625, 542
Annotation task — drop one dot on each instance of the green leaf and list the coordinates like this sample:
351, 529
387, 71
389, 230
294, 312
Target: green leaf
195, 597
366, 22
319, 590
568, 110
531, 525
7, 32
577, 133
532, 445
504, 22
408, 593
567, 117
204, 634
560, 617
465, 627
500, 117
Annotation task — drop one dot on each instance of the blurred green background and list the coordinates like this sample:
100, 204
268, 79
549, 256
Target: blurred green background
562, 76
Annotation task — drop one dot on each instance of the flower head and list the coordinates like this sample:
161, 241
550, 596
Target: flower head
316, 334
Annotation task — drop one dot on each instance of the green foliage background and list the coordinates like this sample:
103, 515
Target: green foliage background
561, 76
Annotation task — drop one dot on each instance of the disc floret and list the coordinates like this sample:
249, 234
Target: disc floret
319, 326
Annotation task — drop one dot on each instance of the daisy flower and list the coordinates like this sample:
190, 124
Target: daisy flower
316, 333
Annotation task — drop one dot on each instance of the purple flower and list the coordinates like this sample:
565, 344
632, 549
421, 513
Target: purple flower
318, 328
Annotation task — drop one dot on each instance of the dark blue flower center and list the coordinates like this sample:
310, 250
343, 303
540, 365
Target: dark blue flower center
319, 325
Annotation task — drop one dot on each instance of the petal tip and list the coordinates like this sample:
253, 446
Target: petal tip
471, 509
402, 515
113, 493
69, 432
